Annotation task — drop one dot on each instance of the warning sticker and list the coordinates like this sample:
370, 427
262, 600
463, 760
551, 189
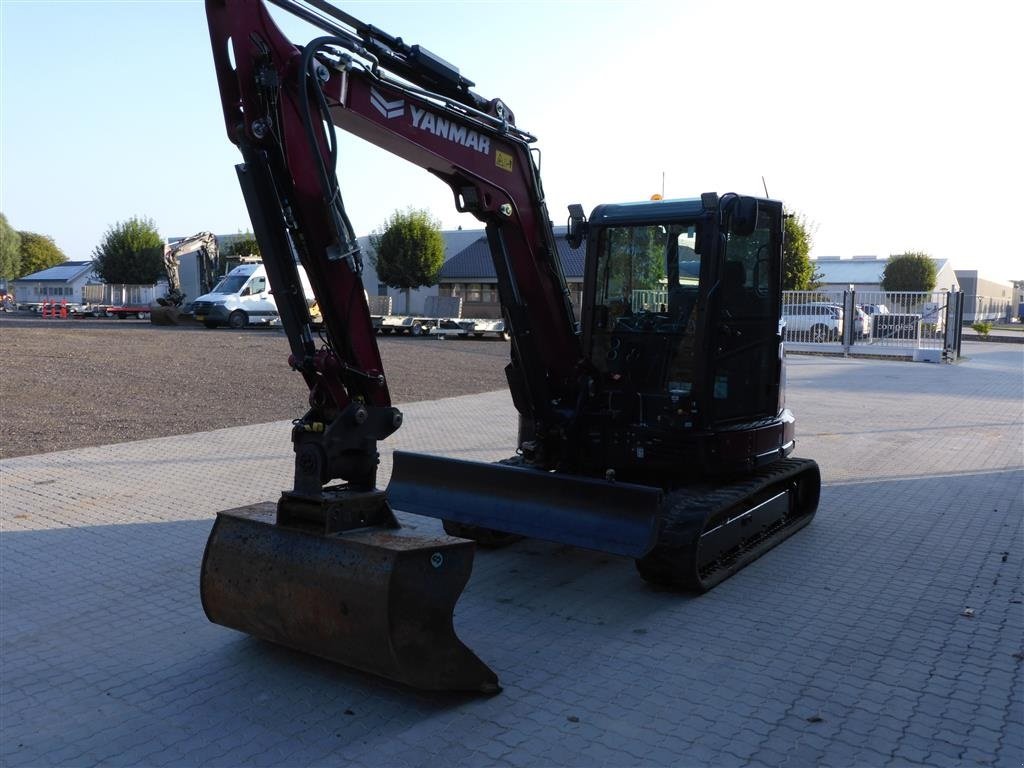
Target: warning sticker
503, 160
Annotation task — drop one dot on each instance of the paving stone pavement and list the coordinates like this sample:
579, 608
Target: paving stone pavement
887, 633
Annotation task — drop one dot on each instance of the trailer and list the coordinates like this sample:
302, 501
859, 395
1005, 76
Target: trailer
442, 319
385, 322
120, 300
467, 327
408, 325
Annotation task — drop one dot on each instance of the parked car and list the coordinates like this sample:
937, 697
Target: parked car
817, 321
861, 323
875, 309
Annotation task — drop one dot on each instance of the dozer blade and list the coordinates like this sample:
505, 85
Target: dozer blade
601, 515
377, 600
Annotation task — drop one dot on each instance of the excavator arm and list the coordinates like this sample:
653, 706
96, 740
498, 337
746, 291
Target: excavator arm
488, 165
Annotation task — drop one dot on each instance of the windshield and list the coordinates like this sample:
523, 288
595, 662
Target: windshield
648, 280
647, 277
230, 284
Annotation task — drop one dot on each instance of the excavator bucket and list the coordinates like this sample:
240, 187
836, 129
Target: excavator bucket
169, 315
161, 315
378, 600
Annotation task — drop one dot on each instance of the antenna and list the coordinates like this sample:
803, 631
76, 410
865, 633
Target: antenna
765, 185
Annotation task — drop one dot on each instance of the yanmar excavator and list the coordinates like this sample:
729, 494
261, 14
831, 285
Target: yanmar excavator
654, 428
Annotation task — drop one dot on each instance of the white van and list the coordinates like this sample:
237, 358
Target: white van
242, 298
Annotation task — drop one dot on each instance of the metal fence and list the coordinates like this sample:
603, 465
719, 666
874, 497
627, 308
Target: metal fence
919, 325
649, 300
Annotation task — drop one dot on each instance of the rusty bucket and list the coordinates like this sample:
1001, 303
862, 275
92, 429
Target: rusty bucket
380, 601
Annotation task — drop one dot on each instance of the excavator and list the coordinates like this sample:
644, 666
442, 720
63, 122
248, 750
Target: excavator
653, 427
166, 310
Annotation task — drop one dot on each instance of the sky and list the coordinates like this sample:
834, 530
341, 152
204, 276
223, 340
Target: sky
889, 126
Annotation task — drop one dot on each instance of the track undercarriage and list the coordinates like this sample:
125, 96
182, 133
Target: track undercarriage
709, 532
691, 538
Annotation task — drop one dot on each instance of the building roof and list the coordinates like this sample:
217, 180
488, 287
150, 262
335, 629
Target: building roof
62, 273
858, 270
471, 262
474, 262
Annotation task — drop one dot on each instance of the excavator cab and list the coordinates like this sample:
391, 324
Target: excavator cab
676, 449
680, 327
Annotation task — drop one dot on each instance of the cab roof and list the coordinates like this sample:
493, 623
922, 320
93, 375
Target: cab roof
245, 269
656, 211
653, 211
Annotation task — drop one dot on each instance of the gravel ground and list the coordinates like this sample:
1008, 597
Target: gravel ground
77, 383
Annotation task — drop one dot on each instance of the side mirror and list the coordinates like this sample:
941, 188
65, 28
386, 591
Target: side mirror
577, 226
743, 216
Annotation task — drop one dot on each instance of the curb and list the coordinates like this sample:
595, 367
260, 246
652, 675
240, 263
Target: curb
995, 339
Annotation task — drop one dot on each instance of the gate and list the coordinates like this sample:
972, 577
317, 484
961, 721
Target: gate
922, 325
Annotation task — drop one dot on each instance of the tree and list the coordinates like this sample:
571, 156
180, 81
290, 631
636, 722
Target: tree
39, 252
798, 271
10, 250
244, 245
131, 252
911, 271
408, 251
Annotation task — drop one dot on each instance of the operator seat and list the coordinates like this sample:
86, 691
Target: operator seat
681, 300
734, 281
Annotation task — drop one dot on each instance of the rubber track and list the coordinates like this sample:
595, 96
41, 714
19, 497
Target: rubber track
673, 562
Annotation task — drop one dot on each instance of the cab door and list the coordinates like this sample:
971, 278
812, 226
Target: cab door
258, 302
746, 368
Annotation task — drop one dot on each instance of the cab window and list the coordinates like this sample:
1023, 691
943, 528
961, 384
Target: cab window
748, 280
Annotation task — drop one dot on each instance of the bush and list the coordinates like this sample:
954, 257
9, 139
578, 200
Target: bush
10, 250
913, 271
39, 252
982, 329
131, 252
244, 245
799, 273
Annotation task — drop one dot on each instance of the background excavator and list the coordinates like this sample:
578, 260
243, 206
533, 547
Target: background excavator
654, 427
167, 310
